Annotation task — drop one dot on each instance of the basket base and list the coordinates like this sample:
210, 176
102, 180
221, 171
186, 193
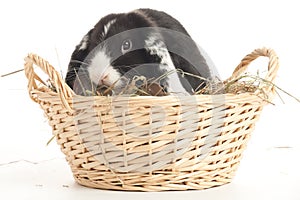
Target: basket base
158, 180
195, 185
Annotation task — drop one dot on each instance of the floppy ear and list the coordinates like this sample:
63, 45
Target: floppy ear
78, 56
187, 56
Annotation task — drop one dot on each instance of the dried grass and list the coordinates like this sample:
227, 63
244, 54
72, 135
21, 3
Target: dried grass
246, 83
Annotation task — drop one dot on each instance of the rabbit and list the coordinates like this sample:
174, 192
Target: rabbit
144, 42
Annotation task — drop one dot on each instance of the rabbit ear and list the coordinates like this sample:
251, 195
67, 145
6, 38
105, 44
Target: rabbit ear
155, 45
77, 59
83, 43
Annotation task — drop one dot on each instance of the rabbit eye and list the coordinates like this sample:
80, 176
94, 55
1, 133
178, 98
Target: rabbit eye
126, 46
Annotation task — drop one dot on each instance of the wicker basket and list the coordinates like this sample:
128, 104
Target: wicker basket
147, 143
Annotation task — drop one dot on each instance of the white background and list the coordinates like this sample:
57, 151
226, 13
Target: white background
227, 30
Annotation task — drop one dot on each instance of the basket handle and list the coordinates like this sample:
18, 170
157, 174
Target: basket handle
273, 65
63, 90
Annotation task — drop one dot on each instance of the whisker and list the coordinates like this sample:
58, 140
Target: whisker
72, 73
72, 76
78, 61
132, 69
80, 83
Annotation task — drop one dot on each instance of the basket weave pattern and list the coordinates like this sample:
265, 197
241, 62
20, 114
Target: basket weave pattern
148, 143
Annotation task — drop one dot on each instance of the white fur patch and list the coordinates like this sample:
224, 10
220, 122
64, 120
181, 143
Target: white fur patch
158, 47
212, 68
83, 43
107, 26
98, 65
111, 76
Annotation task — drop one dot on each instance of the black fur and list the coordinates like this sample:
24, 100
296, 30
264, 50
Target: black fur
187, 56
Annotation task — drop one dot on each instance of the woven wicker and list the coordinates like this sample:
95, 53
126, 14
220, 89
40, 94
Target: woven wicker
148, 143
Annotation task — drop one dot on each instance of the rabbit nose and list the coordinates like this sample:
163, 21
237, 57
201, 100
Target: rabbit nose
108, 77
104, 79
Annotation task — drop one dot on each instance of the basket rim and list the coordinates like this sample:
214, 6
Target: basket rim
67, 95
203, 97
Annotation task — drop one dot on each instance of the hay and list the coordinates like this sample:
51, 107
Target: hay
245, 83
11, 73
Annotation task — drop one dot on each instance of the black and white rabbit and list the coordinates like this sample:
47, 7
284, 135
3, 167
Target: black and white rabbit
142, 42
